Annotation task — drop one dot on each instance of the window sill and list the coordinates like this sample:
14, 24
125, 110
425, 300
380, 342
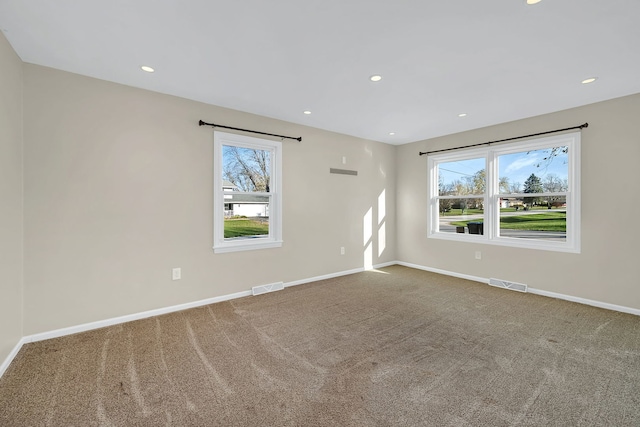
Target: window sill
246, 246
509, 242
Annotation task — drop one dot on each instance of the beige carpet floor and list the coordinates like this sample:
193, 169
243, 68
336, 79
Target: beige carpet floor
395, 347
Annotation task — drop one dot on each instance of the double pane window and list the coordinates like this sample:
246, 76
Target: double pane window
523, 194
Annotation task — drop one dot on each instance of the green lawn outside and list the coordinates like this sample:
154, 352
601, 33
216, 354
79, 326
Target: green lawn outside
551, 221
548, 221
244, 227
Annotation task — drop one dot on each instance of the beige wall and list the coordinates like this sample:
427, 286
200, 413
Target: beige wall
118, 190
606, 270
10, 198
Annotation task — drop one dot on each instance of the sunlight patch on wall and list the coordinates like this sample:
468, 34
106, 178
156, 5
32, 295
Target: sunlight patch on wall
382, 239
367, 231
368, 256
379, 234
382, 206
382, 213
367, 226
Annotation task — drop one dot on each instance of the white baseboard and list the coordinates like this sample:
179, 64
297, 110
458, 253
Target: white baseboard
165, 310
338, 274
323, 277
535, 291
156, 312
445, 272
11, 356
130, 317
585, 301
385, 264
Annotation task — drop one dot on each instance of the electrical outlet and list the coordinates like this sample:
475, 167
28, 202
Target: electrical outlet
478, 255
342, 250
176, 274
344, 160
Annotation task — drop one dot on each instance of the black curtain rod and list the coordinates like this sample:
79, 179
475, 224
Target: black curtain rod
422, 153
201, 123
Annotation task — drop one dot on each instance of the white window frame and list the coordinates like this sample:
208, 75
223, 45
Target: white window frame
274, 239
492, 194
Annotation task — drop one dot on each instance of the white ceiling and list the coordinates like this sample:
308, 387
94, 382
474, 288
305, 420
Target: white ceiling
496, 60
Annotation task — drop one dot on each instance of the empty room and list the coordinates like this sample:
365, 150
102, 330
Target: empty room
319, 213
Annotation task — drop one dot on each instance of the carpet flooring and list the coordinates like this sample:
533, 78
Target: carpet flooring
393, 347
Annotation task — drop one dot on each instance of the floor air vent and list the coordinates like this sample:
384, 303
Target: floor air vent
263, 289
508, 285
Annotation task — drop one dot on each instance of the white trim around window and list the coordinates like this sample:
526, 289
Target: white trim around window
487, 201
271, 195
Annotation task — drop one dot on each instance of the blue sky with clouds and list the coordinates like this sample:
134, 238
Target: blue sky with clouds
517, 167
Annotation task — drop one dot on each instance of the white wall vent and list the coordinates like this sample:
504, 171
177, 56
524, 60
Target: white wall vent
263, 289
499, 283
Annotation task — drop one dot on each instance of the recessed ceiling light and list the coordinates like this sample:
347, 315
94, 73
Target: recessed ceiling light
589, 80
462, 115
307, 112
375, 78
533, 1
147, 69
392, 133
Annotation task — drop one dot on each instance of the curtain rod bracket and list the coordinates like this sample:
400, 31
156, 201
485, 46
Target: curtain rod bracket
582, 126
203, 123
